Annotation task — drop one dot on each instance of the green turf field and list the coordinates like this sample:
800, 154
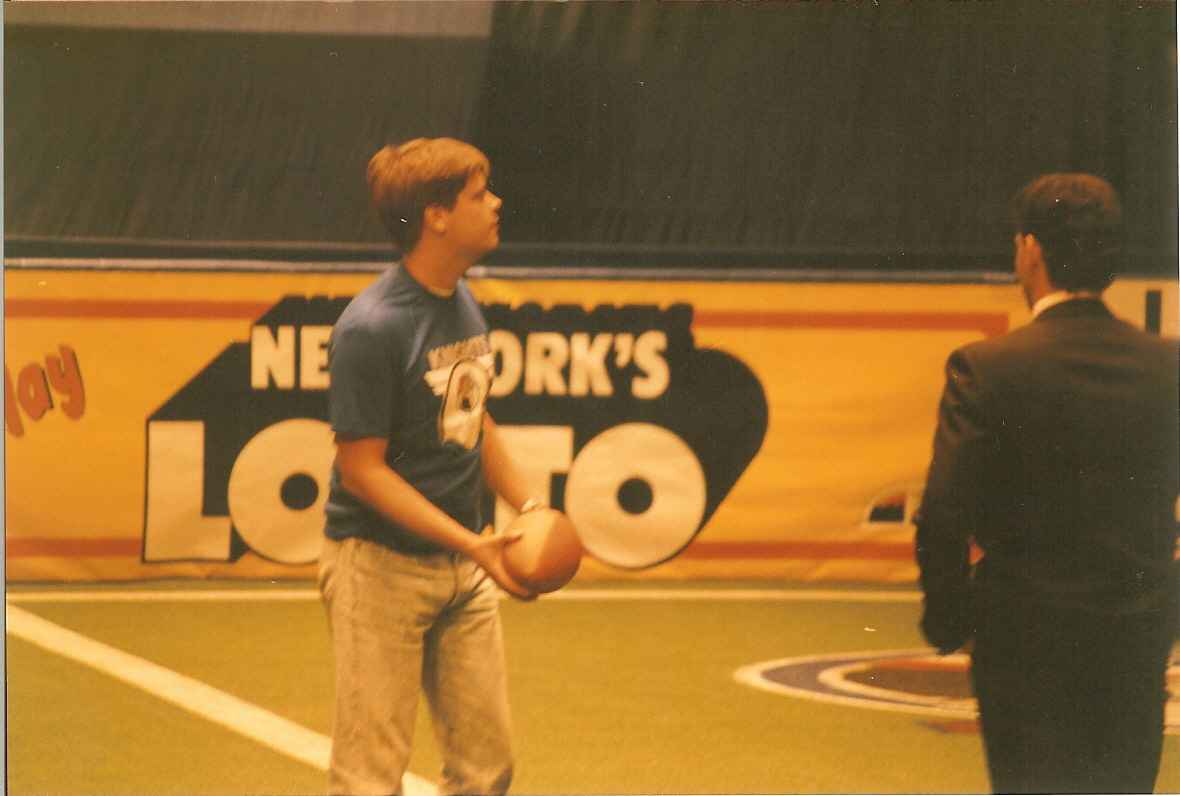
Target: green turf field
609, 696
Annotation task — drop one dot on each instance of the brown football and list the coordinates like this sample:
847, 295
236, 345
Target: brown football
547, 555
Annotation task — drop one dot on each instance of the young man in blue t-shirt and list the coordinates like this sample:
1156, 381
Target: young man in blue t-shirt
406, 575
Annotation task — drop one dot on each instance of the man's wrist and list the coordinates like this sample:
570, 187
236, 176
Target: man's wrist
531, 504
469, 544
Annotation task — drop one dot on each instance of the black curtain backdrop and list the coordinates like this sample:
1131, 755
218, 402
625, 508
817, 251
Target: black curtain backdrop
789, 135
199, 136
820, 132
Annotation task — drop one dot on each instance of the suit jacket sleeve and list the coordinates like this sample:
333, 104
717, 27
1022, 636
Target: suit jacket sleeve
964, 447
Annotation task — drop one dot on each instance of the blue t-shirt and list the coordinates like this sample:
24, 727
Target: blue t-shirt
413, 368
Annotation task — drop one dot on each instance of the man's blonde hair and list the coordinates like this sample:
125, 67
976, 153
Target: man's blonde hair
405, 179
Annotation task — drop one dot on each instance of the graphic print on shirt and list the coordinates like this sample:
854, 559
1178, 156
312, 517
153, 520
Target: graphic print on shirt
462, 373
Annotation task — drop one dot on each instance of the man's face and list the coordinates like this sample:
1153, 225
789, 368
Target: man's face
473, 224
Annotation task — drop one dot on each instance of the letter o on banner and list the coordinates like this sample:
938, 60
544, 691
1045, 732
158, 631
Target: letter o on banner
287, 449
627, 453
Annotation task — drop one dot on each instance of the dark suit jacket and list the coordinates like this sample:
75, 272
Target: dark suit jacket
1056, 450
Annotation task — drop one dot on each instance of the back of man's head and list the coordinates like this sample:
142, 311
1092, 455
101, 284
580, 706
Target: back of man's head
407, 178
1077, 219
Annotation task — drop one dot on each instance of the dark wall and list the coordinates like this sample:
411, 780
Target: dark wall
780, 134
206, 136
895, 135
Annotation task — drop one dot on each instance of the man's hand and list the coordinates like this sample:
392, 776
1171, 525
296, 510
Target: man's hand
487, 550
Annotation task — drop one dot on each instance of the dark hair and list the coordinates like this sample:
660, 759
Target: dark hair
1077, 220
407, 178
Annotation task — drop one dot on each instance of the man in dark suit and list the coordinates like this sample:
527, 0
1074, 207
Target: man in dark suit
1056, 453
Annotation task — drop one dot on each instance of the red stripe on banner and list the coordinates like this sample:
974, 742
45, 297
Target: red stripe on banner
874, 551
166, 310
965, 727
990, 323
72, 548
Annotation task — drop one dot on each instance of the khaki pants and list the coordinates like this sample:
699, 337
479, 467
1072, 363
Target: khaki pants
399, 621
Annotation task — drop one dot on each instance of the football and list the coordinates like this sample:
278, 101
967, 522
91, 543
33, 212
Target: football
547, 555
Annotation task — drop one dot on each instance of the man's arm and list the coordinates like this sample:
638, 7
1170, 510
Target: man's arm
963, 447
499, 470
364, 473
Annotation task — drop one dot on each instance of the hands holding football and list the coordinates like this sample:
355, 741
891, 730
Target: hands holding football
539, 551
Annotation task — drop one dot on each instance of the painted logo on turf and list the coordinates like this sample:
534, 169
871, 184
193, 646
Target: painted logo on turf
614, 414
915, 681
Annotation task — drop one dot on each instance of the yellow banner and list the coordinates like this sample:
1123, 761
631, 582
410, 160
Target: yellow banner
163, 424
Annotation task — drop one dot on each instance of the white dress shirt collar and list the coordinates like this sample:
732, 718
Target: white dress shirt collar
1060, 297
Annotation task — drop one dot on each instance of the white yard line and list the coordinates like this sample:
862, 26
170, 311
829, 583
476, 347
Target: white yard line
576, 595
260, 725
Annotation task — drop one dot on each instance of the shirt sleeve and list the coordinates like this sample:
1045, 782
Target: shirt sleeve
362, 397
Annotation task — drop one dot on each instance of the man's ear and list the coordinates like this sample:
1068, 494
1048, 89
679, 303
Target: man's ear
1028, 252
434, 218
1033, 246
1031, 269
